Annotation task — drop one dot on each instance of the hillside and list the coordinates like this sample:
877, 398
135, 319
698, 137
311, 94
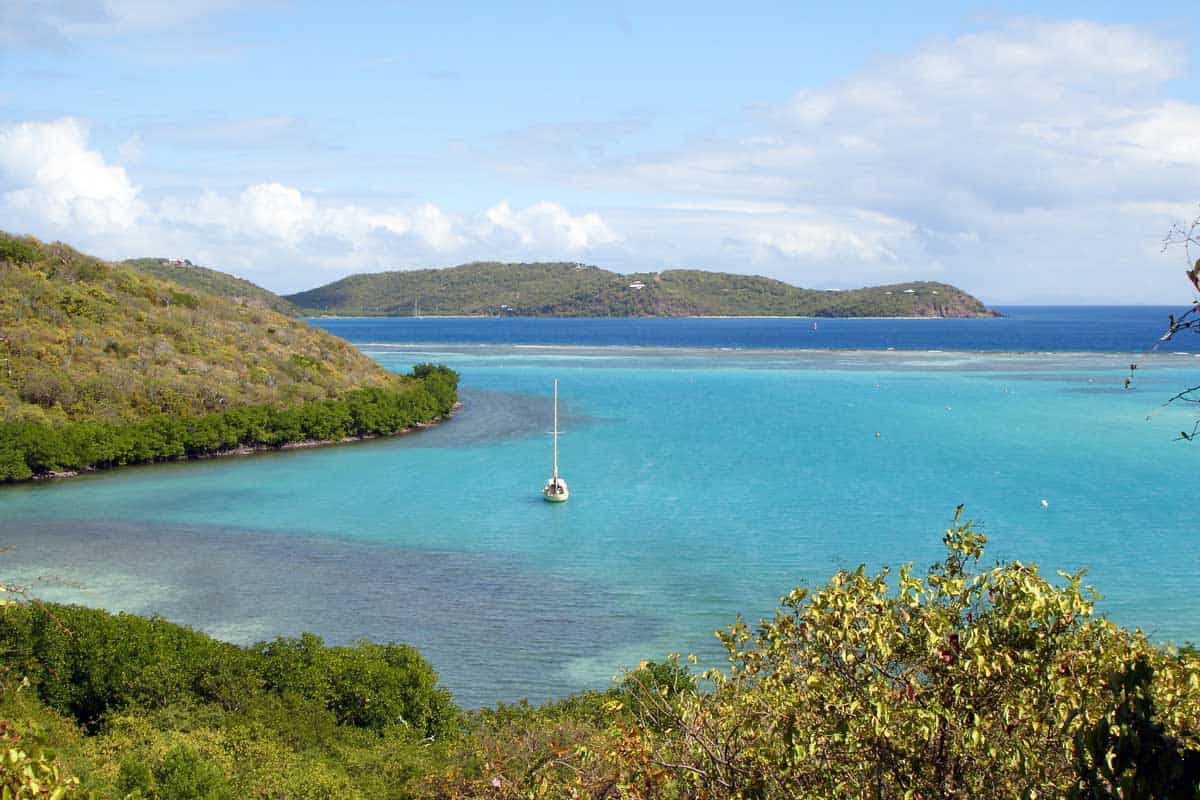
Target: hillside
577, 290
102, 365
208, 280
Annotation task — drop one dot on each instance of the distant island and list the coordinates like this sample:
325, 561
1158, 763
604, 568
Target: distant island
102, 364
578, 290
559, 289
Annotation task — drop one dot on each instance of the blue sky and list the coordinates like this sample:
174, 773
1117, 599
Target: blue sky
1026, 152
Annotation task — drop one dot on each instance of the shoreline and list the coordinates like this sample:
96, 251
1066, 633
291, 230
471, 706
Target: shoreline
766, 351
996, 315
245, 450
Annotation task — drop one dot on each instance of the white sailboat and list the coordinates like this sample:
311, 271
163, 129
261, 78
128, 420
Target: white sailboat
556, 488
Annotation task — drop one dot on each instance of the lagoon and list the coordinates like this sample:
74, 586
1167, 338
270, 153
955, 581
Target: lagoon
713, 466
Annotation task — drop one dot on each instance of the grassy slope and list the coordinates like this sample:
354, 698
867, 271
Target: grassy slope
565, 289
83, 339
213, 282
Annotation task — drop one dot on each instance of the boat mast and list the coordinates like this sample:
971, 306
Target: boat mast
556, 430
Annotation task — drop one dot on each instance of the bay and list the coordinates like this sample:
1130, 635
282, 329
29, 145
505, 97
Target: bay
714, 464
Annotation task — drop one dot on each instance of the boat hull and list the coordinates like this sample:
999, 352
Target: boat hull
556, 491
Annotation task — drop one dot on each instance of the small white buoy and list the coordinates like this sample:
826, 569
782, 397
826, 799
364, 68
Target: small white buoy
1045, 503
876, 434
948, 408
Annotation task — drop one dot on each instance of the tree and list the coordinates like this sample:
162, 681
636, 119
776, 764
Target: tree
1128, 754
1186, 237
26, 775
965, 682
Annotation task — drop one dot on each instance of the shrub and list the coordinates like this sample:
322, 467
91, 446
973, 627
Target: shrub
29, 448
961, 683
13, 248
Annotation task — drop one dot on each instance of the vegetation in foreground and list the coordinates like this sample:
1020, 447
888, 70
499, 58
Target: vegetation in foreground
962, 682
577, 290
103, 365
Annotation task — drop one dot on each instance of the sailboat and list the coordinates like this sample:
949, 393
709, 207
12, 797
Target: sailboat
556, 488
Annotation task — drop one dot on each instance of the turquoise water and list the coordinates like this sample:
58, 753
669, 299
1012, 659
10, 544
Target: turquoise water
704, 483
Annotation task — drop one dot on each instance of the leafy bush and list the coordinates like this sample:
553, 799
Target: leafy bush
26, 775
963, 683
17, 249
32, 448
182, 775
960, 683
1128, 753
171, 713
90, 664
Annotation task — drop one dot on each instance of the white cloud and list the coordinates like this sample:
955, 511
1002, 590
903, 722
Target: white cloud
53, 184
47, 173
1008, 153
278, 218
283, 216
809, 240
1033, 161
548, 224
1167, 134
1024, 115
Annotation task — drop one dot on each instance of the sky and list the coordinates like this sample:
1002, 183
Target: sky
1026, 152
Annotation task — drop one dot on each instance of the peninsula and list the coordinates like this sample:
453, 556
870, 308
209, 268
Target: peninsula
103, 365
578, 290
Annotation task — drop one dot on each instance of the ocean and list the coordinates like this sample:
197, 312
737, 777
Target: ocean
714, 464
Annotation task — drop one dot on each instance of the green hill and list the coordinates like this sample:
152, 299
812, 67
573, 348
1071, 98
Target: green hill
101, 365
185, 273
577, 290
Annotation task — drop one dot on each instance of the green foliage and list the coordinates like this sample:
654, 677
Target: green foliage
1127, 754
959, 683
18, 250
182, 775
30, 776
370, 686
576, 290
962, 683
83, 340
90, 664
87, 663
32, 448
210, 281
171, 713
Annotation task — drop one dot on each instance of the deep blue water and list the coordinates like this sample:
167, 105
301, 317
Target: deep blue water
714, 464
1023, 329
